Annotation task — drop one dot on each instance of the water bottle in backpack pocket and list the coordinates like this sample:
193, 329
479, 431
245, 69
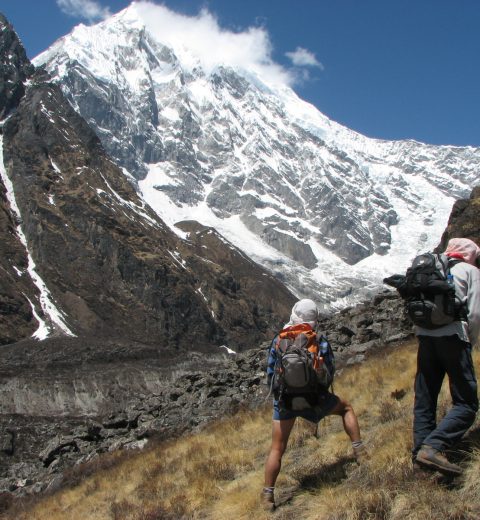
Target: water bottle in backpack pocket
326, 369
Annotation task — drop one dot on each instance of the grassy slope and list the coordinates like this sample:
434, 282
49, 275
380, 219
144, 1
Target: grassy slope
218, 473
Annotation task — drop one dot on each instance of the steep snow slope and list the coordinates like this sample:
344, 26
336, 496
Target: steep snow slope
329, 211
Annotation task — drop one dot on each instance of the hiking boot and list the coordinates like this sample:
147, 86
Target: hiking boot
361, 454
433, 459
268, 500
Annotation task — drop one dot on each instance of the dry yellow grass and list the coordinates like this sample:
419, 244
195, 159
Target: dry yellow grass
218, 473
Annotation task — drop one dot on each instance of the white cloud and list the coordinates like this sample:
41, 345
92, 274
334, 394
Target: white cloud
304, 58
85, 9
202, 37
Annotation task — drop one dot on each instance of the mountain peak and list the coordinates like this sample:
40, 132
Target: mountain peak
15, 68
210, 129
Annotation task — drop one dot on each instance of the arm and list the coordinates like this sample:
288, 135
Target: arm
473, 302
272, 359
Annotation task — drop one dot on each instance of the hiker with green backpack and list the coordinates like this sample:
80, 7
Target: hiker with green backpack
300, 371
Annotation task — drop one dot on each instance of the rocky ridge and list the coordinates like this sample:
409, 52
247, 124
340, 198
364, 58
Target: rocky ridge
464, 220
15, 69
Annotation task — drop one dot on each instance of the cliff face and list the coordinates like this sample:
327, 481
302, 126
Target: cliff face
16, 316
464, 221
101, 261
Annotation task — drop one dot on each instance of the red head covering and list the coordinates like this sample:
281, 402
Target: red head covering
463, 248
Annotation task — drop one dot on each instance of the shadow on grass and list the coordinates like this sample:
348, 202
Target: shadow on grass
468, 443
327, 474
312, 480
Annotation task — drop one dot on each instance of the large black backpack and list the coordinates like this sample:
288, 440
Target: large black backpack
429, 291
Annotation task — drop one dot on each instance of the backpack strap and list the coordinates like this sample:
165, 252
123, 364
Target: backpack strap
293, 331
461, 309
453, 260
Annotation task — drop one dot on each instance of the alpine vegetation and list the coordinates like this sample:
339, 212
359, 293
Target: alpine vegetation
204, 476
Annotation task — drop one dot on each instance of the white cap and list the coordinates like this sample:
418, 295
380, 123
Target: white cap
304, 311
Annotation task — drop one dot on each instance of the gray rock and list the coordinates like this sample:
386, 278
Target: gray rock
56, 448
362, 347
359, 358
54, 484
7, 441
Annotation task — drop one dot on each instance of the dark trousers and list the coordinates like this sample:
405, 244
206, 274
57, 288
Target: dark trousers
437, 357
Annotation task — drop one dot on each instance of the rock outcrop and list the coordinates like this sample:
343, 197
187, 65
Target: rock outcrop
359, 331
464, 221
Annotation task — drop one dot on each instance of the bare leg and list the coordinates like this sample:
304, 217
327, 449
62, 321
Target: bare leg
280, 434
350, 422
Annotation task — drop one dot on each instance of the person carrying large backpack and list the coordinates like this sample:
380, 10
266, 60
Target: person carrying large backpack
447, 349
300, 374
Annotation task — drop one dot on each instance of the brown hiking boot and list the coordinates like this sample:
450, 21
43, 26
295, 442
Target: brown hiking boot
268, 500
435, 460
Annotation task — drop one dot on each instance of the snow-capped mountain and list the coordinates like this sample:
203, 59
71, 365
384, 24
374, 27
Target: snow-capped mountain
81, 254
327, 210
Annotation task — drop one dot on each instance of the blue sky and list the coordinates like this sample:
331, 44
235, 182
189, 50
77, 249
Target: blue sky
390, 69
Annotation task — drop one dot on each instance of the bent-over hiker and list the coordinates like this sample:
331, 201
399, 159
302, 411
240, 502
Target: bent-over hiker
312, 407
448, 350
